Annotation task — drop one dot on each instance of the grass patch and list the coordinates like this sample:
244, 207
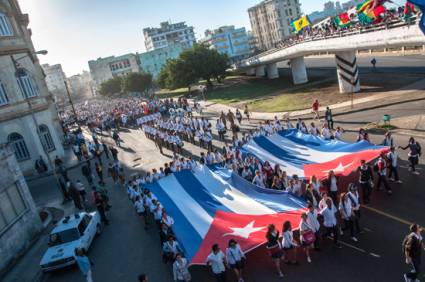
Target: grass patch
167, 93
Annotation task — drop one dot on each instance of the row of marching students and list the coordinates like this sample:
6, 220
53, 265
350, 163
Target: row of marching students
151, 210
328, 219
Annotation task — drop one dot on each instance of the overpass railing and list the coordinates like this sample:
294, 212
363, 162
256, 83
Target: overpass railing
340, 33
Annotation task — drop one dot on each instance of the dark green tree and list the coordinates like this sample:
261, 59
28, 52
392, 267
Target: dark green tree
137, 82
111, 87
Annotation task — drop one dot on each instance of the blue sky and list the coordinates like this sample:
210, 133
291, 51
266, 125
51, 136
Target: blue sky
75, 31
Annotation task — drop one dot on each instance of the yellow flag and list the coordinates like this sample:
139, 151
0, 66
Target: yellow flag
300, 23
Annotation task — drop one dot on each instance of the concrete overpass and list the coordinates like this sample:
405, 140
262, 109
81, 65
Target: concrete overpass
344, 45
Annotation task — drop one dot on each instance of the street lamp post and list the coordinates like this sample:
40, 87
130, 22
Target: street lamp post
49, 160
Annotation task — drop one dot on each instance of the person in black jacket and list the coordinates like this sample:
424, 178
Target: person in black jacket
412, 245
87, 173
365, 180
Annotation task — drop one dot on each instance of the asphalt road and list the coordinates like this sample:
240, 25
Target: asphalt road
125, 249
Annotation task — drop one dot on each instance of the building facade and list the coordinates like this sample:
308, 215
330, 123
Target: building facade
19, 220
28, 118
169, 34
55, 80
80, 86
103, 69
271, 21
229, 40
152, 61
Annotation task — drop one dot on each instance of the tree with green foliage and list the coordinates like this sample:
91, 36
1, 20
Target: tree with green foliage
137, 82
198, 62
111, 87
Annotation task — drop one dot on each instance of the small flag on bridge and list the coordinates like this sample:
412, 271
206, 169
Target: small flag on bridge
421, 5
301, 23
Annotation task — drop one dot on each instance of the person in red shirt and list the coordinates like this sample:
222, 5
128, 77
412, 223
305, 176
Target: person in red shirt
315, 109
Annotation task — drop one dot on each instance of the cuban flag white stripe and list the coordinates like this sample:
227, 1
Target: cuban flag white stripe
227, 195
266, 156
194, 213
305, 152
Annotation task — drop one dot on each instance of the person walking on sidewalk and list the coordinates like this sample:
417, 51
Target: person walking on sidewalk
329, 118
246, 112
84, 264
412, 247
75, 195
414, 154
87, 173
315, 110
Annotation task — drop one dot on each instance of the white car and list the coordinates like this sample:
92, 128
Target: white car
75, 231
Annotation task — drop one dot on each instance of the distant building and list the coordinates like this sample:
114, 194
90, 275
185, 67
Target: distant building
55, 80
19, 220
271, 21
80, 86
230, 41
329, 9
169, 34
104, 69
152, 61
28, 118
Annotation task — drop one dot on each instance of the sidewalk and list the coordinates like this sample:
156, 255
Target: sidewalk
409, 93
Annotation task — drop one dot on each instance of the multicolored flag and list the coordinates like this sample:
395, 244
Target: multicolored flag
368, 12
301, 23
343, 20
421, 5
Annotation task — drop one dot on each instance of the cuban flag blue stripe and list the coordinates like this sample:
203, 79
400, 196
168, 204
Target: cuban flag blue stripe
280, 153
188, 236
199, 193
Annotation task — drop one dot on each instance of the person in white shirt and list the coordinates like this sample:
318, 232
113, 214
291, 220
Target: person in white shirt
338, 133
289, 245
393, 163
180, 269
217, 261
166, 219
314, 224
140, 207
326, 134
306, 229
329, 221
347, 214
258, 179
236, 258
353, 195
170, 249
313, 129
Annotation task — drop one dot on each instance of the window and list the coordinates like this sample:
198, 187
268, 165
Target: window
26, 84
5, 29
19, 146
3, 97
290, 11
12, 206
46, 138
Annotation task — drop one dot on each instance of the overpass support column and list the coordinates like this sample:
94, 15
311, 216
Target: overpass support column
299, 71
259, 71
347, 71
250, 71
272, 71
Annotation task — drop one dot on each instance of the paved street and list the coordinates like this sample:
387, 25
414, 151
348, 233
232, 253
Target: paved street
126, 249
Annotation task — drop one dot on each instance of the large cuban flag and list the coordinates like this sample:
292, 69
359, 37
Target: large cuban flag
211, 207
306, 155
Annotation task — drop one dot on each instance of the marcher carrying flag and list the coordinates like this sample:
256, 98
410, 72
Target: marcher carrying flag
421, 5
301, 23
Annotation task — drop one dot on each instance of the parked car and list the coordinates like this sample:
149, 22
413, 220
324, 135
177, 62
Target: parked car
75, 231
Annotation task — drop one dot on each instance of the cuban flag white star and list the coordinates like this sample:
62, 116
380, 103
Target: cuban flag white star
340, 168
246, 231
